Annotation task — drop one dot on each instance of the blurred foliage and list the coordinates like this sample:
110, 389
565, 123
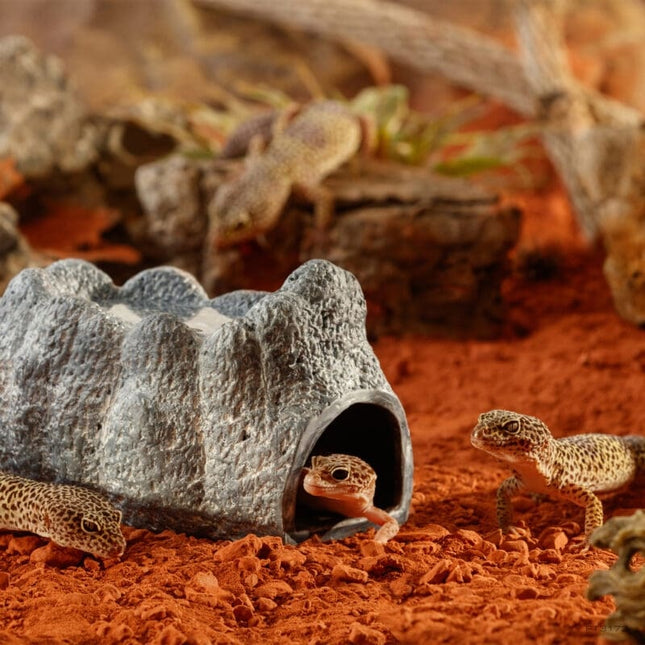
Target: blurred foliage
484, 150
410, 137
403, 135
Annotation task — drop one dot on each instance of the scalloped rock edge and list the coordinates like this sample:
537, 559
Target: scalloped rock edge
188, 412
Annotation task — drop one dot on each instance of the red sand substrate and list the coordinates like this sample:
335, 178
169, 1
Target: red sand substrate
448, 577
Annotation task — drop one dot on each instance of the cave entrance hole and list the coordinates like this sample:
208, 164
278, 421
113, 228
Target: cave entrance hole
372, 426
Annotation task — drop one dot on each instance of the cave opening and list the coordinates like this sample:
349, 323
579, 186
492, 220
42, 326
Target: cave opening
369, 430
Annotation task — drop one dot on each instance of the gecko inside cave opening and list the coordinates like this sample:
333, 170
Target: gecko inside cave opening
372, 433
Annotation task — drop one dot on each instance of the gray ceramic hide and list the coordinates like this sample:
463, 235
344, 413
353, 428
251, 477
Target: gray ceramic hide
190, 413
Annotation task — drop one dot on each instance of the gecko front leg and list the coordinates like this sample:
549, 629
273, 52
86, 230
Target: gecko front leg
389, 527
505, 492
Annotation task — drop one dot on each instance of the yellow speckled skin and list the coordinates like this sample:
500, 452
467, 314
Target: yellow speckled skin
71, 516
318, 140
574, 468
346, 484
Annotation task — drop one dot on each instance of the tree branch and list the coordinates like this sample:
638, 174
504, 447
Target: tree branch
468, 58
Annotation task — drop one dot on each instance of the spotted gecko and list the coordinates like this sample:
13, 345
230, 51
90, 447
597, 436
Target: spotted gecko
345, 484
70, 515
574, 468
318, 140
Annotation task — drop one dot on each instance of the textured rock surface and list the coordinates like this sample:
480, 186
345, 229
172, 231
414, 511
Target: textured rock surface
626, 537
171, 193
43, 123
430, 252
194, 414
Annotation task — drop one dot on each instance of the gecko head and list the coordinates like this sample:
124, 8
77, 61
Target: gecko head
344, 478
231, 215
81, 519
510, 436
246, 207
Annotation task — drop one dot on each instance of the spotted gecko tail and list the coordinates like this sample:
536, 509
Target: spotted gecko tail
637, 446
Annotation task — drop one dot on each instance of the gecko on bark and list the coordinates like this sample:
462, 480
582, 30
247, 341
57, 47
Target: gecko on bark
318, 140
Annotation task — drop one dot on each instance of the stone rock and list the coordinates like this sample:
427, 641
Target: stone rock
9, 235
43, 123
626, 537
196, 414
430, 252
174, 209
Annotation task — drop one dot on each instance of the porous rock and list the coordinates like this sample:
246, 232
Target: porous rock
174, 208
626, 537
191, 413
44, 125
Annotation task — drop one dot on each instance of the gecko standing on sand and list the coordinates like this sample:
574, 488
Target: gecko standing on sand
345, 484
318, 140
70, 515
573, 468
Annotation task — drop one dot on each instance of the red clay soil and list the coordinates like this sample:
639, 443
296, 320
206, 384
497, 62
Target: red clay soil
449, 576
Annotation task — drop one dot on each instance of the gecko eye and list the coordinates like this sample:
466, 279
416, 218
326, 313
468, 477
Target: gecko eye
340, 474
511, 426
89, 526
